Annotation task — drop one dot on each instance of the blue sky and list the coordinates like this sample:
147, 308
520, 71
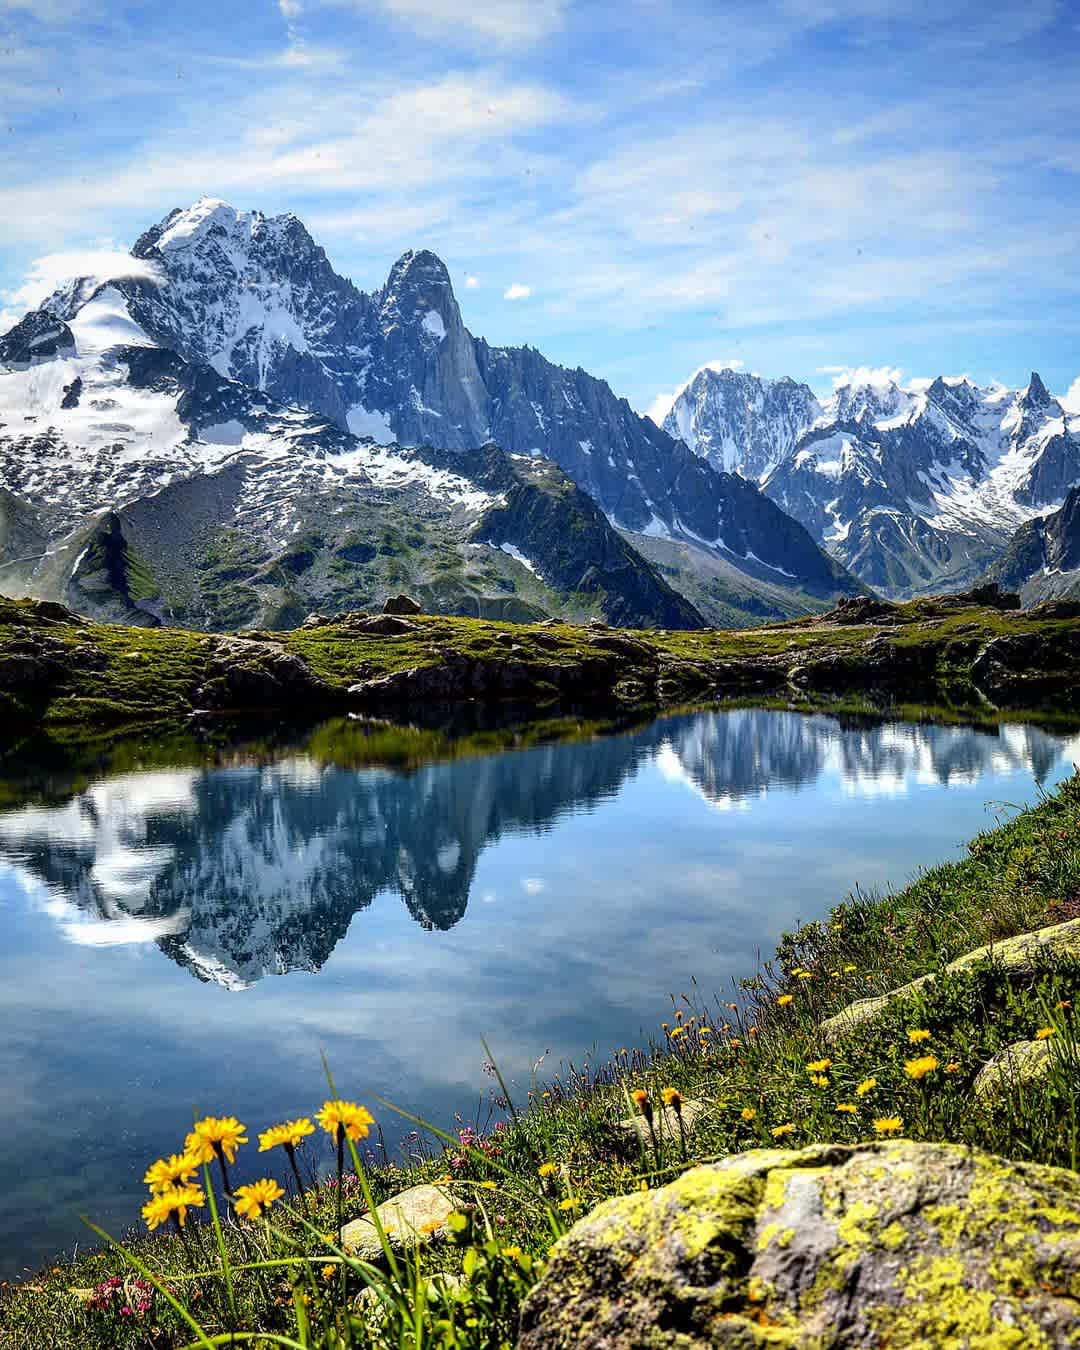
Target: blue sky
639, 187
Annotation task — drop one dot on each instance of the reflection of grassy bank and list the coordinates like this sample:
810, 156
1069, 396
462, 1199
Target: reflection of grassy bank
760, 1065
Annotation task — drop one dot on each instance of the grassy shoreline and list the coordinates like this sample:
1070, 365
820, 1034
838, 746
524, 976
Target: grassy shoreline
68, 677
753, 1062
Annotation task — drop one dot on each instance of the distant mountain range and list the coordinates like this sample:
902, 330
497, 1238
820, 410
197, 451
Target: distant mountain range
232, 435
913, 490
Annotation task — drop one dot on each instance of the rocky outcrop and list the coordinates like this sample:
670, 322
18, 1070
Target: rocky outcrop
245, 675
402, 604
899, 1244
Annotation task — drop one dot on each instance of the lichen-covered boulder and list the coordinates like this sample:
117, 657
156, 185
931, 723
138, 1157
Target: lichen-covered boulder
1021, 957
1016, 1065
409, 1219
892, 1244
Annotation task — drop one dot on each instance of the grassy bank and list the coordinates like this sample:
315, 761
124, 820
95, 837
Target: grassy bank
63, 675
757, 1062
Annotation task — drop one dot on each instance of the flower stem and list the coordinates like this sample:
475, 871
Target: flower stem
290, 1153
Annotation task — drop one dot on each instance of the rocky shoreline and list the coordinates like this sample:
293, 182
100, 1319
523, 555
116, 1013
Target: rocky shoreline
56, 667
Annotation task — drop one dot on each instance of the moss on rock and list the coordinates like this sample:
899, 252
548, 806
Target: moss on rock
900, 1244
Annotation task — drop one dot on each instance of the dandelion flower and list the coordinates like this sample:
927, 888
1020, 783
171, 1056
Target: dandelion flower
850, 969
168, 1173
546, 1169
847, 1108
571, 1202
1044, 1033
672, 1097
676, 1032
784, 1000
919, 1068
805, 975
176, 1201
953, 1067
289, 1135
259, 1195
819, 1065
640, 1098
780, 1131
328, 1273
867, 1085
888, 1125
819, 1079
214, 1135
918, 1035
345, 1118
748, 1113
488, 1186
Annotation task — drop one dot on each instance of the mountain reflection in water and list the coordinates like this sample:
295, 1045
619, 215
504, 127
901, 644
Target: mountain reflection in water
245, 871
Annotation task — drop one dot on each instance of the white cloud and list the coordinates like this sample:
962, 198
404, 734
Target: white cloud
878, 376
291, 9
533, 885
505, 23
517, 292
1070, 401
471, 283
53, 269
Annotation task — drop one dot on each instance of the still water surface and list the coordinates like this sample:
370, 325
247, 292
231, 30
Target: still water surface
192, 939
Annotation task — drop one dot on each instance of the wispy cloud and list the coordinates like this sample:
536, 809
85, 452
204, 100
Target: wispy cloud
517, 291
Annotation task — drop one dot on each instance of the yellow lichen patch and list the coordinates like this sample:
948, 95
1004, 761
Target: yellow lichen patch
893, 1235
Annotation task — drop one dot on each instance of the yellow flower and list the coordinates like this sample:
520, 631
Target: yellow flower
488, 1186
805, 975
847, 1108
178, 1200
444, 1180
748, 1113
672, 1097
214, 1133
919, 1035
848, 969
888, 1125
643, 1185
819, 1065
953, 1067
779, 1131
676, 1032
571, 1202
328, 1273
819, 1080
546, 1169
512, 1253
919, 1068
1044, 1033
167, 1173
867, 1085
640, 1098
289, 1135
784, 1000
705, 1031
252, 1200
354, 1120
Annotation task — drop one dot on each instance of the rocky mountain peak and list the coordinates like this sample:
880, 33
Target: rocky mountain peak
418, 292
1036, 395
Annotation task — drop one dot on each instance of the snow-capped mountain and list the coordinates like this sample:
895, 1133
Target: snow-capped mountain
739, 422
913, 489
138, 485
253, 301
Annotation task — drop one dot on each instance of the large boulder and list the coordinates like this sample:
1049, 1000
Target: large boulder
885, 1244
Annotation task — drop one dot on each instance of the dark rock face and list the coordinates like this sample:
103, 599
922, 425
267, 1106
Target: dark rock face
1042, 559
402, 604
35, 338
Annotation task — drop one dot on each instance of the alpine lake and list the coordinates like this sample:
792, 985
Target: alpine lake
190, 925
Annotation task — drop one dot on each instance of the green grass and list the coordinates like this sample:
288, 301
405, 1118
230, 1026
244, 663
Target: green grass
743, 1054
